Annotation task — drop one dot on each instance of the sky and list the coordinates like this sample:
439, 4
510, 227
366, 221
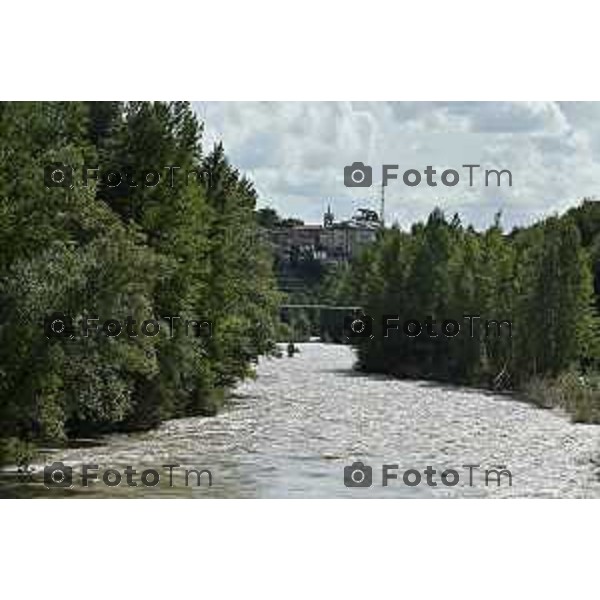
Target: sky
295, 153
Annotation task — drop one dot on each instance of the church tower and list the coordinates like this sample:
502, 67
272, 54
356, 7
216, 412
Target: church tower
328, 218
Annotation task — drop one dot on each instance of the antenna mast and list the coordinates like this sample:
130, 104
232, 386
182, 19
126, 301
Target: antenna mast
382, 204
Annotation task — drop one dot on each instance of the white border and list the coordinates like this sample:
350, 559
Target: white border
301, 549
309, 50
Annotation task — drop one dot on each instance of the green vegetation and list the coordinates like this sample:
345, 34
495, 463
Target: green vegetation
185, 247
577, 394
539, 278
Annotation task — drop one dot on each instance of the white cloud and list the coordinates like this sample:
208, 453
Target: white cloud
295, 152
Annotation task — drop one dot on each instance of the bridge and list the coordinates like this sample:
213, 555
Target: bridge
321, 306
329, 325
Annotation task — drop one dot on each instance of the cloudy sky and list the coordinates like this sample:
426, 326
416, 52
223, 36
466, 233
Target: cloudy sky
295, 152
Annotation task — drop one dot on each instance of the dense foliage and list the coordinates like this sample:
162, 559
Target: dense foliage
539, 278
187, 247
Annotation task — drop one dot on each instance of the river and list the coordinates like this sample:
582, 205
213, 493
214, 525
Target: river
291, 431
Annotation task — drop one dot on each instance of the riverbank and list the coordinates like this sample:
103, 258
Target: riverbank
577, 394
573, 392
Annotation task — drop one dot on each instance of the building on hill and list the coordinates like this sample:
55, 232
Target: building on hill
329, 243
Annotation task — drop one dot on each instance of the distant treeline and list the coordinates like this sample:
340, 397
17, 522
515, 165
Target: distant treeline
541, 278
186, 246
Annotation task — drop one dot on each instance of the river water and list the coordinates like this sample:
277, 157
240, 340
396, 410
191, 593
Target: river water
292, 430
